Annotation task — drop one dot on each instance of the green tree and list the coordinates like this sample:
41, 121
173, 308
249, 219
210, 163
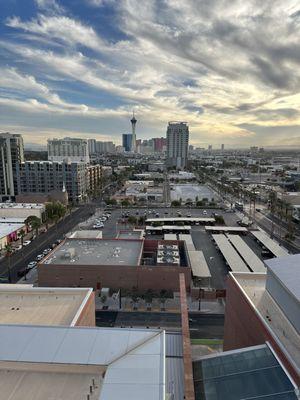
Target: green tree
219, 220
8, 253
132, 220
55, 211
21, 235
175, 203
149, 296
125, 203
34, 222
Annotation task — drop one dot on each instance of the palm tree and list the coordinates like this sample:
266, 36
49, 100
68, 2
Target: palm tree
8, 250
21, 235
34, 222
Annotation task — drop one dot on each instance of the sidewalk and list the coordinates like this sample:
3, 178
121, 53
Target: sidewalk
31, 278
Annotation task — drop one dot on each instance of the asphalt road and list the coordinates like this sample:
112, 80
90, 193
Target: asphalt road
20, 259
201, 325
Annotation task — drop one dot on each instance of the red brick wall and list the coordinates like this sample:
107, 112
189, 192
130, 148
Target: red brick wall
143, 277
87, 316
189, 393
244, 328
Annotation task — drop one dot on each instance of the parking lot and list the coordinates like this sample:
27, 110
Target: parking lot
201, 239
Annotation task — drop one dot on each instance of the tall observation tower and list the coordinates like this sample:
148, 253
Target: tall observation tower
133, 141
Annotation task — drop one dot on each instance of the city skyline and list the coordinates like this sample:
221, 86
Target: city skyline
230, 70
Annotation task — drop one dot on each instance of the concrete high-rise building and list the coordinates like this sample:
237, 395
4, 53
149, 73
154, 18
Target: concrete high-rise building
47, 176
68, 149
105, 147
127, 141
159, 144
177, 144
11, 154
133, 139
210, 148
222, 147
92, 146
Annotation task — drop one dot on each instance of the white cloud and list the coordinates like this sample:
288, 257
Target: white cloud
216, 64
49, 6
61, 28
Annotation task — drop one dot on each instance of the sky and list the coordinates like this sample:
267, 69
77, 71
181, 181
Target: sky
230, 68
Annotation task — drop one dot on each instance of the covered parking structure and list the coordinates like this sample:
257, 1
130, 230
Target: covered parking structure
270, 244
182, 220
226, 229
248, 255
232, 258
168, 229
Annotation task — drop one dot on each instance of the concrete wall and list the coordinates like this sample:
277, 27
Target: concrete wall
287, 302
244, 328
21, 212
114, 277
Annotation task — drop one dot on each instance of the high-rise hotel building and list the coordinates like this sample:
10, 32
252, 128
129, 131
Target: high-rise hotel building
177, 144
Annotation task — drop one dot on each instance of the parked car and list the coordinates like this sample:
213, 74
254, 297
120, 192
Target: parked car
26, 242
32, 264
46, 251
19, 247
39, 257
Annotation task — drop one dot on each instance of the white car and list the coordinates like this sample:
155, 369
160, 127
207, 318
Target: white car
98, 226
39, 257
32, 264
26, 242
204, 212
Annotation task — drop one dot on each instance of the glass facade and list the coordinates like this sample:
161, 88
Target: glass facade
247, 374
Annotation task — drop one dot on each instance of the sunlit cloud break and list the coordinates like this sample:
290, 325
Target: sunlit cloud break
231, 69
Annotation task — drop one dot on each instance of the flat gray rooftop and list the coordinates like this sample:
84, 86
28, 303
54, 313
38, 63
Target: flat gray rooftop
129, 234
96, 252
287, 270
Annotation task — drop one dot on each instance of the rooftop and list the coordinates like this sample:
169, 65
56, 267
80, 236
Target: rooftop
7, 228
43, 306
136, 234
279, 326
287, 270
125, 363
96, 252
22, 205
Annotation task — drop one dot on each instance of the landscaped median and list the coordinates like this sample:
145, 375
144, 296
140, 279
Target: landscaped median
207, 342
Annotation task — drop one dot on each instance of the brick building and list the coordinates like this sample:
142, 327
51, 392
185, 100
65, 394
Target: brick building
115, 264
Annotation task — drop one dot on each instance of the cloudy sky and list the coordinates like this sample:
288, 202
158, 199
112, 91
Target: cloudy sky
230, 68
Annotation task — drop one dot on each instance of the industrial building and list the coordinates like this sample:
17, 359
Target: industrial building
98, 263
